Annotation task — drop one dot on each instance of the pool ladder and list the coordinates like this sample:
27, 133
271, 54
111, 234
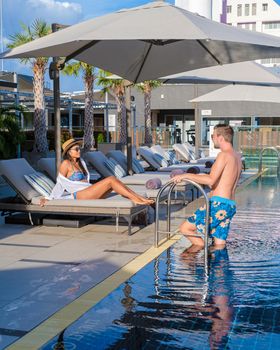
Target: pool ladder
171, 185
261, 158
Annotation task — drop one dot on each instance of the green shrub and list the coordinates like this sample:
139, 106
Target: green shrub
10, 134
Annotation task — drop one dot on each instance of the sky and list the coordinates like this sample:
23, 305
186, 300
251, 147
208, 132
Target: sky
69, 12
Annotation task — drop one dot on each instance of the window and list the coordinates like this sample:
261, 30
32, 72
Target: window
253, 27
264, 7
229, 8
271, 25
247, 26
254, 9
247, 9
239, 10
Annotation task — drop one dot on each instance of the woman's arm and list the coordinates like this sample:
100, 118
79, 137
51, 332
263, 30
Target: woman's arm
64, 168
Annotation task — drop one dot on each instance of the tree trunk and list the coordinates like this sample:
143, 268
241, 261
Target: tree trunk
122, 122
148, 118
121, 118
89, 122
40, 127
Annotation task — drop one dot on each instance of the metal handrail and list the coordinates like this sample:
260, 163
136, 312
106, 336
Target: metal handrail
168, 233
261, 157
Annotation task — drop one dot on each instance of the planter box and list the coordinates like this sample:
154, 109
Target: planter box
106, 147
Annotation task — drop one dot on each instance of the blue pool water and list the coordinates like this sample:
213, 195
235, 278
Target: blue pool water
171, 304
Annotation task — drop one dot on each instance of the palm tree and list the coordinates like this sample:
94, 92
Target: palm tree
88, 78
10, 133
146, 87
117, 88
36, 30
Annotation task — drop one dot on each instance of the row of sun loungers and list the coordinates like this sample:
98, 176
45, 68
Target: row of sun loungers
27, 200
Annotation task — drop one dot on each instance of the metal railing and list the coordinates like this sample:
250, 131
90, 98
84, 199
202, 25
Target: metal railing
261, 157
168, 232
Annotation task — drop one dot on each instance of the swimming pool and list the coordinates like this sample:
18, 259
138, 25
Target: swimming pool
170, 304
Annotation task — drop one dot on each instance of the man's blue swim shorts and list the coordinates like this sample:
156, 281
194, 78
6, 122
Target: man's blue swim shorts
222, 211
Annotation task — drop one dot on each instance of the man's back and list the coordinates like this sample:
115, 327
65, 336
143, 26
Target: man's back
231, 165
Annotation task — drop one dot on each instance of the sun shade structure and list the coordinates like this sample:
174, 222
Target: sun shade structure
151, 41
250, 93
249, 73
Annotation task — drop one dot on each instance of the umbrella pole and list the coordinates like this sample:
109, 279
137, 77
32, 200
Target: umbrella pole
55, 66
197, 119
127, 85
57, 123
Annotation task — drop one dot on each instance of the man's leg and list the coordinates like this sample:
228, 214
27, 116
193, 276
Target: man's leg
189, 230
219, 243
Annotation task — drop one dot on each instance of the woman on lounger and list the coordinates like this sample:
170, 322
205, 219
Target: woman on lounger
73, 178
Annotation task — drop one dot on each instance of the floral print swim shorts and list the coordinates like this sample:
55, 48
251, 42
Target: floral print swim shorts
222, 211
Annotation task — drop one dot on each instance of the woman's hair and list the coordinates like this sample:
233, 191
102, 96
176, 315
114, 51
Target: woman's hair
226, 131
68, 157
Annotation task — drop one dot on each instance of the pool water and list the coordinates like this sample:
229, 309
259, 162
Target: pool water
171, 304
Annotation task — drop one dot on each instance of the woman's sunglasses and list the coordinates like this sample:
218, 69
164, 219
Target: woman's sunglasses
77, 149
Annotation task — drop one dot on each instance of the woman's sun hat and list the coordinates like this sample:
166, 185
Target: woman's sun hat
69, 144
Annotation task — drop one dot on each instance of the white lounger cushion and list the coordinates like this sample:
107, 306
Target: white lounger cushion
48, 166
98, 160
115, 201
14, 170
148, 155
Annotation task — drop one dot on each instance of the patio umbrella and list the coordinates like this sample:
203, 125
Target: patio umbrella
269, 94
151, 41
249, 73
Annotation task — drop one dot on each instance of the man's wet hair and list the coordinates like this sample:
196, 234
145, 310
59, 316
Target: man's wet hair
226, 131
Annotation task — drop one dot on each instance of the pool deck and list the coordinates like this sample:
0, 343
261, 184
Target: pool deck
43, 269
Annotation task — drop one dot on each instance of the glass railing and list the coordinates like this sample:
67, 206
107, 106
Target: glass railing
252, 139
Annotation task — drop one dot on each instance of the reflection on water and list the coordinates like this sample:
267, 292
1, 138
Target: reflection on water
171, 304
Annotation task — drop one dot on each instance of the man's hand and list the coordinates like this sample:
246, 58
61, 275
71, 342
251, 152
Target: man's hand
43, 202
179, 178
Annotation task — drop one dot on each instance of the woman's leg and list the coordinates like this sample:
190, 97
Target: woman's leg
104, 187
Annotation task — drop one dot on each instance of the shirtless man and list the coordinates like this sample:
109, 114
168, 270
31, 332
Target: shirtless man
222, 180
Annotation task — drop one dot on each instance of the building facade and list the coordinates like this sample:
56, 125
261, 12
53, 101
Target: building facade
258, 15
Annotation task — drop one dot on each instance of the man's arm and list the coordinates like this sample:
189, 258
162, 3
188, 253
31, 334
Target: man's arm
206, 179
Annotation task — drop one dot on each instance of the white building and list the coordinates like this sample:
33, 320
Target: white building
259, 15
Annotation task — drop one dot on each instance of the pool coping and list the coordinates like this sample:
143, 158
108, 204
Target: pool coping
56, 323
63, 318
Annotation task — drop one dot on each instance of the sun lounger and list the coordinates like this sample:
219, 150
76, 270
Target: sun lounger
98, 160
148, 156
188, 154
27, 199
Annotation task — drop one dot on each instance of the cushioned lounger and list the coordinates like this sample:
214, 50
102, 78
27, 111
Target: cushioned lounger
187, 154
13, 171
148, 156
97, 159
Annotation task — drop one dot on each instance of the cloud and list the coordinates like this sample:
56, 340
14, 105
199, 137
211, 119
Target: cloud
56, 10
51, 11
56, 6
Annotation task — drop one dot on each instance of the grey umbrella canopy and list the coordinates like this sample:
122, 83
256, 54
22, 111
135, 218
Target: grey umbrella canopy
151, 41
250, 93
249, 73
